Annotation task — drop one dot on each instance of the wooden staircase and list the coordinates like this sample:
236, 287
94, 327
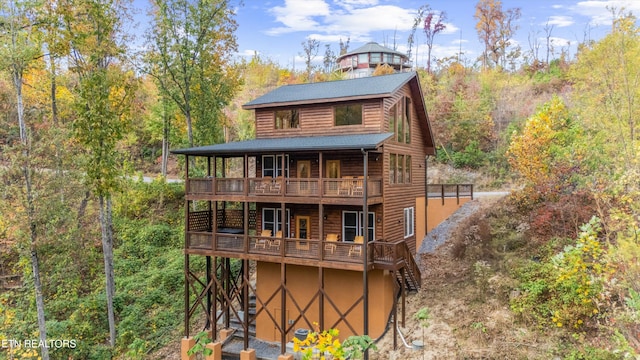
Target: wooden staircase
409, 274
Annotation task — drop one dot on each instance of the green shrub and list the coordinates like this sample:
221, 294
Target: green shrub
566, 289
470, 157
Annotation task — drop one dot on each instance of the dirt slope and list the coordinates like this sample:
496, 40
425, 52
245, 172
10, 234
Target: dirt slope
468, 298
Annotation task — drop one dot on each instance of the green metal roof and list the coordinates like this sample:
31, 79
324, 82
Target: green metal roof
366, 87
372, 47
291, 144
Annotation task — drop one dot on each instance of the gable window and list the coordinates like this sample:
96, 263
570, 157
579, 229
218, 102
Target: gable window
353, 225
287, 119
272, 166
400, 120
409, 220
348, 114
407, 120
399, 169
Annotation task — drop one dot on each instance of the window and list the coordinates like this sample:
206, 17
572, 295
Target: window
348, 115
407, 120
363, 58
400, 120
399, 169
272, 220
392, 118
375, 58
392, 168
287, 119
353, 225
272, 166
408, 221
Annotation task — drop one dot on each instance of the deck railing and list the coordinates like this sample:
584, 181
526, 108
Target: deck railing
311, 187
386, 254
444, 191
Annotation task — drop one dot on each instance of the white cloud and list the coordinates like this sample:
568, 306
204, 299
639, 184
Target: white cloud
248, 53
598, 10
450, 29
358, 18
559, 42
560, 21
299, 15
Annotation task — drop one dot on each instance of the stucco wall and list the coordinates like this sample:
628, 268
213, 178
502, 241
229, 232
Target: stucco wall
342, 288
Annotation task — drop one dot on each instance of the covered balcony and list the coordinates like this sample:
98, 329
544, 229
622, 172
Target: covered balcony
263, 188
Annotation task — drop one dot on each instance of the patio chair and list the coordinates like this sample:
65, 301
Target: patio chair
263, 242
275, 243
356, 250
329, 246
358, 189
261, 186
276, 185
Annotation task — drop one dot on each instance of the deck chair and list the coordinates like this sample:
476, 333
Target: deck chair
276, 184
275, 243
356, 250
261, 186
344, 188
263, 242
358, 189
330, 246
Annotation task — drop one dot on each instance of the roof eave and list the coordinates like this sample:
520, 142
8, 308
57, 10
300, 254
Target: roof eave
250, 106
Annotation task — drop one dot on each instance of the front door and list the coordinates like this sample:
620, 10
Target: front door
303, 227
304, 173
333, 172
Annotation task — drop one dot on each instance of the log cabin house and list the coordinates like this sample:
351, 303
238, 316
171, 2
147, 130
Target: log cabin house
317, 220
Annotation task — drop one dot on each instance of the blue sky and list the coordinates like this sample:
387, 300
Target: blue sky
276, 28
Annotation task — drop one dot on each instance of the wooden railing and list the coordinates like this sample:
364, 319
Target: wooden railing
311, 187
388, 255
444, 191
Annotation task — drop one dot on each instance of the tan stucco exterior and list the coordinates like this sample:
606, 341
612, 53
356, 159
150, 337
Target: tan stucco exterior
439, 209
342, 290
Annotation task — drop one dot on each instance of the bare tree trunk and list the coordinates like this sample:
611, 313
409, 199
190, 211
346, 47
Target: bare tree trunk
165, 137
106, 223
30, 207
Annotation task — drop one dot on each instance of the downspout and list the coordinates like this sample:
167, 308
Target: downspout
365, 246
426, 196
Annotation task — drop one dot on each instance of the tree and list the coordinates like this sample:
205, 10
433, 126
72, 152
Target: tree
606, 81
550, 152
433, 27
548, 29
416, 21
19, 48
329, 59
191, 42
495, 29
310, 51
344, 46
103, 96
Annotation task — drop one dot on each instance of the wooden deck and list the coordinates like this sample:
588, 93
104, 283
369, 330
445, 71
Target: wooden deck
295, 190
311, 252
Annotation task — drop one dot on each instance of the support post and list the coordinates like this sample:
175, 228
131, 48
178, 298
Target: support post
365, 246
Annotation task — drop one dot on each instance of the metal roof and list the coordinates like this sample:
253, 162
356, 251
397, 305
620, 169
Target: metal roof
372, 47
360, 88
291, 144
